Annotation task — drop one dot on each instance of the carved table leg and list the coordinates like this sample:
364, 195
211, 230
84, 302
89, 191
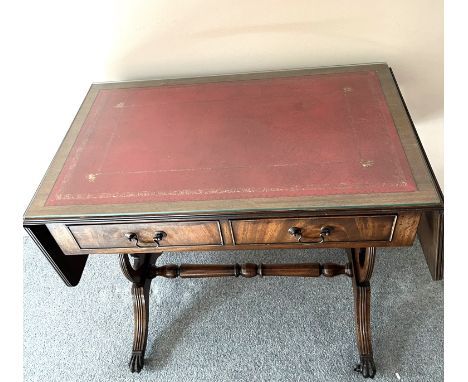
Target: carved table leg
362, 260
138, 275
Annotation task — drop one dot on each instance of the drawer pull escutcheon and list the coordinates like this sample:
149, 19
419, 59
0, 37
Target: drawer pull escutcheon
297, 233
158, 236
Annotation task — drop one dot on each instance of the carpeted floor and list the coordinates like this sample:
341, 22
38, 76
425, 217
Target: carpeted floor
270, 329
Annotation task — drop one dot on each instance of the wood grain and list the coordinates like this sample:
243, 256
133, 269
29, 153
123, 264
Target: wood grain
249, 270
178, 234
226, 232
431, 237
138, 274
343, 229
357, 221
362, 260
203, 236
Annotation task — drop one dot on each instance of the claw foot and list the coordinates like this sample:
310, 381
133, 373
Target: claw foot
136, 362
366, 367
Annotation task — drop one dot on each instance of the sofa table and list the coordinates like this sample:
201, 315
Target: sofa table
314, 158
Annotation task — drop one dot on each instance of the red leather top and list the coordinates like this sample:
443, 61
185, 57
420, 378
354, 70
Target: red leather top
296, 136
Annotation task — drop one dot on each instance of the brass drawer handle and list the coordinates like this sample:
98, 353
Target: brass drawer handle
297, 233
158, 236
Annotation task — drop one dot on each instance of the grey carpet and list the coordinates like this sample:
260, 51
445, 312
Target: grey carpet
270, 329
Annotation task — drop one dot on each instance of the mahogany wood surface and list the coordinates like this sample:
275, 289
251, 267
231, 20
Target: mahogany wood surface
431, 231
355, 228
178, 234
233, 173
249, 270
362, 260
383, 230
138, 275
431, 236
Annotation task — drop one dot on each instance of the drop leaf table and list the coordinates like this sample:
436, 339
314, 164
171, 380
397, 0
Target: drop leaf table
314, 158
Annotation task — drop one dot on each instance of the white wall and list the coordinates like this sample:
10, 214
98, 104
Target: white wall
60, 47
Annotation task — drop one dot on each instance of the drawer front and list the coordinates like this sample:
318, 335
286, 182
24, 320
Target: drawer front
179, 234
341, 229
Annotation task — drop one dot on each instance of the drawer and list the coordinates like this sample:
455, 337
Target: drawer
314, 230
171, 234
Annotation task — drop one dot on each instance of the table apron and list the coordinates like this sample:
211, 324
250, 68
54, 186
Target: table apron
347, 231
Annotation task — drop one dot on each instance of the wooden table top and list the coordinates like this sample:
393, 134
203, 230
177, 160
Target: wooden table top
322, 138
